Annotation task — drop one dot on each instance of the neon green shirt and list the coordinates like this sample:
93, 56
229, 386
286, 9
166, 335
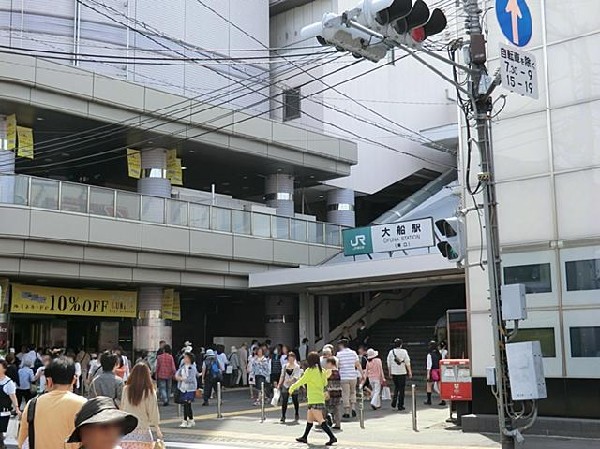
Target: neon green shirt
315, 381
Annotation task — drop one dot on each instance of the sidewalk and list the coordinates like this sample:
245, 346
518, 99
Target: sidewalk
241, 426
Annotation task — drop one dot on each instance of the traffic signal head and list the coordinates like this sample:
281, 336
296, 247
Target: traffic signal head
331, 31
420, 23
453, 246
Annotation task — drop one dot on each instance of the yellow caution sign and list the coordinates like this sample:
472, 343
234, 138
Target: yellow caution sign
11, 132
25, 139
134, 163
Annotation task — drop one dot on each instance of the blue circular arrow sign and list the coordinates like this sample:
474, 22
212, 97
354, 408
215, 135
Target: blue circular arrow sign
514, 18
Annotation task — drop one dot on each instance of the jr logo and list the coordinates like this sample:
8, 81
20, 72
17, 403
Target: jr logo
358, 240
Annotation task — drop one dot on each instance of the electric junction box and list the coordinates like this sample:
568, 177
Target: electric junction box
514, 302
490, 376
526, 370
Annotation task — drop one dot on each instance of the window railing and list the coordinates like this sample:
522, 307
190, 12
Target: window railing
119, 204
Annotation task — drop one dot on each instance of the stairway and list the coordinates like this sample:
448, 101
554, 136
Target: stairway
416, 327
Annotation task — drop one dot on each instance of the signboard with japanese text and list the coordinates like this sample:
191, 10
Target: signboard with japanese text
167, 304
35, 299
390, 237
519, 71
134, 163
25, 142
176, 316
11, 132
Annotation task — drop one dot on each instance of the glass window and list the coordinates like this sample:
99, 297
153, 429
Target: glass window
545, 335
153, 209
583, 275
199, 216
291, 104
102, 202
241, 222
44, 193
536, 277
221, 219
299, 230
128, 205
74, 197
177, 213
585, 341
261, 224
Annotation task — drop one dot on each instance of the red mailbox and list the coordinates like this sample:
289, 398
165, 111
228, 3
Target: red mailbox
455, 383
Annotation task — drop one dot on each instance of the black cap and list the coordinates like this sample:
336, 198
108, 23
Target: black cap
102, 410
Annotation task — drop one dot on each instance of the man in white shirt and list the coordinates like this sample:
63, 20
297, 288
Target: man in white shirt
398, 362
348, 365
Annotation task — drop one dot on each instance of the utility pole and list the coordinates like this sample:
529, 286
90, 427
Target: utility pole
481, 87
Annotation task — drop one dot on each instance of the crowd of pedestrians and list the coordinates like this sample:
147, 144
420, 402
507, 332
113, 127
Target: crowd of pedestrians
51, 387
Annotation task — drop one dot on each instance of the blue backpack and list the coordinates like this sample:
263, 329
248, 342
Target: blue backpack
215, 370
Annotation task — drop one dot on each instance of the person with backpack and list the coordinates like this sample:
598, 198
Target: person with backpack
211, 375
433, 371
8, 399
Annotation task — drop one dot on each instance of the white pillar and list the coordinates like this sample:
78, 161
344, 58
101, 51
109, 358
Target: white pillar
279, 193
7, 166
150, 328
154, 167
340, 207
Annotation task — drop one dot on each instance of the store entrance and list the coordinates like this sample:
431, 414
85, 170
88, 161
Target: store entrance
91, 334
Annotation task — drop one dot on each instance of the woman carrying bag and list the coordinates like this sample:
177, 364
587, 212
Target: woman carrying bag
290, 373
315, 379
187, 378
139, 399
374, 374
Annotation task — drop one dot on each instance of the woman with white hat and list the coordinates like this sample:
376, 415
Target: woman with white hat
374, 373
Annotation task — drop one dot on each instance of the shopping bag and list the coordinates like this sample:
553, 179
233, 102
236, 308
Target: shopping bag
12, 431
386, 394
276, 396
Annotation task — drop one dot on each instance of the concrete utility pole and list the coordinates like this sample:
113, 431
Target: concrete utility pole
481, 87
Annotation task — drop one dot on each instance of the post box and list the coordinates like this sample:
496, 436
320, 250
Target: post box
455, 380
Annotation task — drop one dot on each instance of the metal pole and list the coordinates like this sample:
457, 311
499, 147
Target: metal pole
219, 414
413, 391
361, 407
262, 402
483, 105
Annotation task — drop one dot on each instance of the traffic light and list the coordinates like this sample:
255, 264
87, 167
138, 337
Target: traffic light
402, 20
453, 229
420, 23
332, 31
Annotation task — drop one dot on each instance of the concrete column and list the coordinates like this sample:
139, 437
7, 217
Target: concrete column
306, 319
154, 167
340, 207
7, 166
150, 328
279, 193
281, 319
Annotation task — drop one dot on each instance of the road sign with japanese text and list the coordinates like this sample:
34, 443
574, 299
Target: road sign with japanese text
519, 71
390, 237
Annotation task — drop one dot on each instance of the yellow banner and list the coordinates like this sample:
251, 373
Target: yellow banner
176, 307
11, 132
134, 163
3, 293
69, 301
25, 138
167, 304
171, 156
175, 173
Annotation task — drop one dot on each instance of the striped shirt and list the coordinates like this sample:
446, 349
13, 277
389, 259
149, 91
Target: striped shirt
347, 360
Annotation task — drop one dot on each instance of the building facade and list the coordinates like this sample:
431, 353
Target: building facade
546, 159
100, 249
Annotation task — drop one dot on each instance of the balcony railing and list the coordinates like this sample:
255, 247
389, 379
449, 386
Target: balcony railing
73, 197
